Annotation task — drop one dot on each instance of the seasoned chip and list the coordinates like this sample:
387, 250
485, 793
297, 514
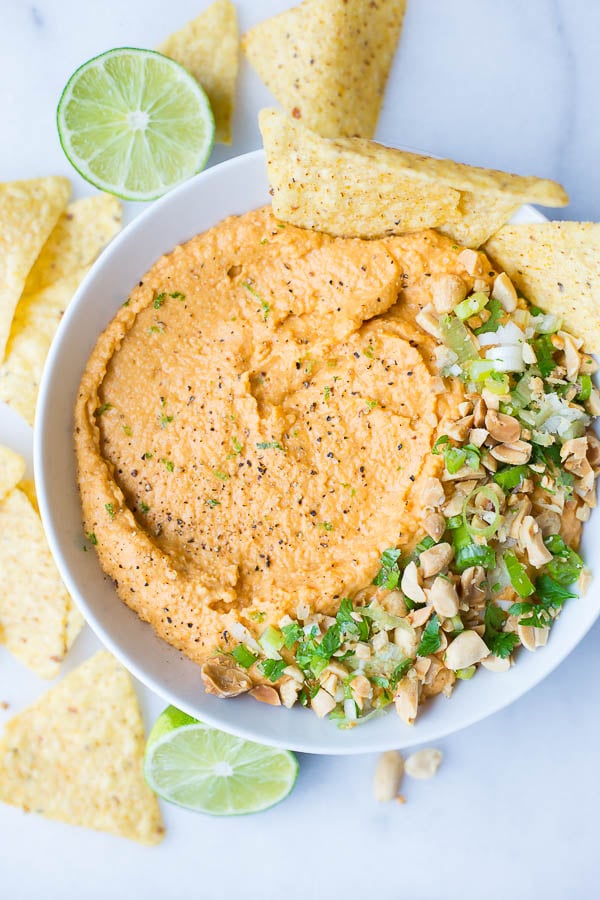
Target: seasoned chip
208, 47
85, 227
34, 605
327, 61
29, 210
12, 469
76, 755
36, 319
348, 187
353, 187
556, 266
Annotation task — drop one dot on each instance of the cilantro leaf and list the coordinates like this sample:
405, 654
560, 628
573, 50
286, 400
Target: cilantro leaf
243, 656
348, 624
291, 634
496, 312
399, 672
389, 573
544, 350
500, 643
431, 640
272, 668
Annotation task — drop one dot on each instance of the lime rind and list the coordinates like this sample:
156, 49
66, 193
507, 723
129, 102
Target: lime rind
201, 768
135, 123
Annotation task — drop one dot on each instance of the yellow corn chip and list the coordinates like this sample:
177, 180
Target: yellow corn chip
27, 485
12, 469
327, 61
36, 319
349, 187
76, 755
34, 604
556, 266
85, 227
29, 210
358, 188
208, 47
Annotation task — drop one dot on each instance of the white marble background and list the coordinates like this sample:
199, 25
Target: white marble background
513, 811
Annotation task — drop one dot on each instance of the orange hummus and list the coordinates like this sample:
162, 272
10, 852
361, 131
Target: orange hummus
253, 429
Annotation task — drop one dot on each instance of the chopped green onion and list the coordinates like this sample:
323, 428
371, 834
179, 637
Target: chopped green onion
488, 493
467, 553
454, 522
567, 565
271, 640
425, 544
456, 336
243, 656
518, 575
511, 476
585, 387
480, 369
472, 305
466, 674
498, 383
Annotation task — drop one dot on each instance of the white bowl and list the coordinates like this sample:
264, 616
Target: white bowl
233, 187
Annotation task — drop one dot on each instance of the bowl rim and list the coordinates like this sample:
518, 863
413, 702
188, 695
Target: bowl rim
43, 414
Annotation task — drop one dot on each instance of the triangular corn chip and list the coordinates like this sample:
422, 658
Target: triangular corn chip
327, 61
354, 187
29, 210
27, 485
34, 604
82, 231
556, 266
208, 47
12, 469
76, 755
349, 187
36, 319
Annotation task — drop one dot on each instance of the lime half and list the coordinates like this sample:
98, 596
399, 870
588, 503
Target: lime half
201, 768
135, 123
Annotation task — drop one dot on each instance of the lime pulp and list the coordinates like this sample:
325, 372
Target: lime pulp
135, 123
206, 770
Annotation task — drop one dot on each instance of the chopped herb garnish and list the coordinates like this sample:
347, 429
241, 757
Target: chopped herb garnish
544, 350
349, 625
159, 300
156, 329
212, 503
501, 643
270, 445
127, 430
399, 672
243, 656
431, 640
147, 455
371, 404
292, 634
168, 464
165, 420
326, 526
425, 544
144, 508
110, 509
511, 476
272, 668
237, 448
91, 538
389, 573
518, 575
266, 309
100, 410
258, 615
177, 295
327, 392
496, 313
369, 351
566, 567
127, 302
441, 442
222, 476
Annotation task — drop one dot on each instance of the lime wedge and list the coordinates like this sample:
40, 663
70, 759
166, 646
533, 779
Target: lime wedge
135, 123
201, 768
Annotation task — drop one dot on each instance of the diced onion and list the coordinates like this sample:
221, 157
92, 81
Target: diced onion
504, 334
507, 358
350, 710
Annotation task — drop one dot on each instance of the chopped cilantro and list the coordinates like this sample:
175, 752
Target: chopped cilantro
212, 502
127, 302
165, 420
159, 300
110, 509
326, 526
291, 634
349, 625
327, 392
501, 643
431, 640
551, 595
177, 295
91, 538
266, 309
127, 430
544, 350
144, 508
237, 448
399, 672
258, 615
496, 313
441, 441
168, 464
389, 573
371, 404
147, 455
156, 329
369, 351
100, 410
222, 476
272, 668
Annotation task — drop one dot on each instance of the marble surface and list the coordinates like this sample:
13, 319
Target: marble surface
513, 809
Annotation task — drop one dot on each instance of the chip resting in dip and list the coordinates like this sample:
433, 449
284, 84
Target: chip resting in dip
337, 471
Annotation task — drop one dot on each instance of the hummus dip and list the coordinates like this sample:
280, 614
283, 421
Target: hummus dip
254, 427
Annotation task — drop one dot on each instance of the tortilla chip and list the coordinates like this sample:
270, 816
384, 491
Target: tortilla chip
349, 187
34, 604
556, 266
327, 61
12, 469
81, 232
36, 319
27, 485
208, 48
357, 188
29, 210
76, 755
